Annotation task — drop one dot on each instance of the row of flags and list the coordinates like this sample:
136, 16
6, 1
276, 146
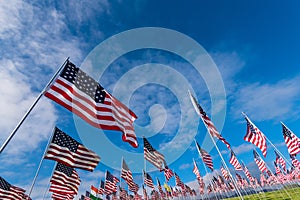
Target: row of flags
79, 93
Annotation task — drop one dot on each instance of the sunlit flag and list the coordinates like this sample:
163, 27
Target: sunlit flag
126, 174
291, 140
153, 156
8, 191
280, 160
82, 95
205, 157
234, 161
148, 180
259, 162
110, 183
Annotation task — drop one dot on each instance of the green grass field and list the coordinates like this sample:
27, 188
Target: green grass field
287, 194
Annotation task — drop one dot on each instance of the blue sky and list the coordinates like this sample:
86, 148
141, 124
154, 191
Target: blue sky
254, 46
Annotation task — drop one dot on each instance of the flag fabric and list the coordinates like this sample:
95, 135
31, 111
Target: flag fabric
255, 136
66, 150
101, 190
260, 163
10, 192
196, 171
94, 194
82, 95
153, 156
277, 169
205, 157
133, 188
178, 181
291, 140
126, 174
123, 193
168, 173
148, 180
209, 124
162, 194
58, 196
110, 183
224, 173
234, 161
280, 160
61, 189
145, 193
249, 176
66, 176
295, 162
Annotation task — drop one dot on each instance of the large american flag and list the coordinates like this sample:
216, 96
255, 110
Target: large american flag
10, 192
148, 180
255, 136
205, 157
66, 176
234, 161
209, 124
61, 189
153, 156
66, 150
291, 140
110, 183
126, 174
259, 162
82, 95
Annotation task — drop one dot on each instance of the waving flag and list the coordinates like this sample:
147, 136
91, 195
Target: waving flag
148, 180
224, 173
209, 124
205, 157
8, 191
126, 174
66, 176
196, 171
255, 136
110, 183
234, 161
168, 173
82, 95
162, 194
280, 160
153, 156
291, 140
66, 150
178, 181
249, 176
260, 163
295, 162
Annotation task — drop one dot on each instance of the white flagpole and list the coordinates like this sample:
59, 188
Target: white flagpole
31, 107
39, 167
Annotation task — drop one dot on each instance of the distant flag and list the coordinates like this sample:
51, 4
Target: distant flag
66, 150
249, 176
8, 191
205, 157
260, 163
94, 194
66, 176
234, 161
133, 188
291, 140
110, 183
162, 194
123, 193
153, 156
280, 160
145, 193
101, 190
196, 171
168, 189
224, 173
295, 162
58, 196
82, 95
277, 169
178, 181
61, 189
209, 124
255, 136
126, 174
148, 180
239, 179
168, 173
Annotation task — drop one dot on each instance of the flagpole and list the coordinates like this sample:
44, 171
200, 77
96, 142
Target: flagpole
31, 107
39, 167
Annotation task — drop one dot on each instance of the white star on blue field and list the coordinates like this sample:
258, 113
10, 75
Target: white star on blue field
255, 47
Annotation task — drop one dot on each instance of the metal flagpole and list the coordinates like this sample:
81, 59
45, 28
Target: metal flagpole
31, 107
39, 167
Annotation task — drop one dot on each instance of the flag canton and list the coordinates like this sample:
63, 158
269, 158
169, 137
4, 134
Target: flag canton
286, 132
4, 184
63, 140
64, 169
109, 177
251, 127
255, 155
83, 82
148, 146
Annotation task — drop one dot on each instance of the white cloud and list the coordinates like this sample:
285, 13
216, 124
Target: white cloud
243, 148
185, 166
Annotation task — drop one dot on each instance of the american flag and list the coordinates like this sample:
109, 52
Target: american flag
291, 140
110, 183
133, 188
280, 160
10, 192
145, 193
61, 189
137, 196
224, 173
148, 180
67, 176
209, 124
205, 157
178, 181
260, 163
66, 150
234, 161
123, 193
126, 174
162, 194
277, 169
58, 196
255, 136
295, 162
249, 176
168, 173
239, 179
153, 156
196, 171
101, 190
82, 95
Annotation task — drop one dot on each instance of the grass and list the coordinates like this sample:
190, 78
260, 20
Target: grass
284, 194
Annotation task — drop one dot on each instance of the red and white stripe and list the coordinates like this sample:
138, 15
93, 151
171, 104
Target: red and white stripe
260, 164
234, 161
291, 140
